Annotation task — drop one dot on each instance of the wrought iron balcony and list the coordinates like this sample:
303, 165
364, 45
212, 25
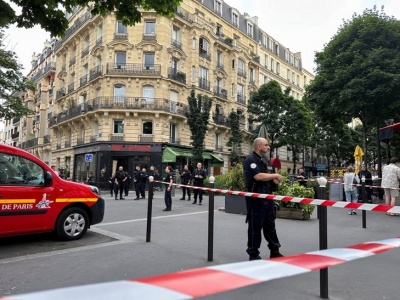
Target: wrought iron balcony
80, 141
148, 138
242, 72
176, 75
241, 99
205, 54
71, 87
221, 120
184, 14
47, 139
117, 137
83, 80
60, 93
204, 84
67, 144
99, 41
220, 92
72, 61
85, 52
95, 72
176, 43
133, 69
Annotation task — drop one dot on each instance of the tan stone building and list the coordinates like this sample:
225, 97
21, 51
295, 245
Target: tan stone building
110, 95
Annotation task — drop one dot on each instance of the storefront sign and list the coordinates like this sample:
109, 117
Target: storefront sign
145, 148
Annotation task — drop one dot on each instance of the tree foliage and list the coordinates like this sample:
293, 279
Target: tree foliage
50, 15
236, 139
267, 106
12, 83
358, 72
297, 127
198, 116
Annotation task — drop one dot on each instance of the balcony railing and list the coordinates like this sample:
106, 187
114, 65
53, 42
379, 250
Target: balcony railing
221, 120
93, 138
117, 137
205, 54
220, 92
58, 146
220, 66
72, 61
120, 36
147, 138
184, 14
121, 103
241, 99
133, 69
16, 120
31, 143
149, 37
80, 141
242, 72
177, 75
60, 93
176, 44
15, 135
83, 80
175, 141
204, 84
99, 41
67, 144
71, 87
85, 52
95, 72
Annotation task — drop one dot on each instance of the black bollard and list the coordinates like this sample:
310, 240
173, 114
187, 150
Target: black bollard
211, 220
149, 208
364, 200
323, 236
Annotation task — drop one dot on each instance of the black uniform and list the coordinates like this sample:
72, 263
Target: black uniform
138, 183
185, 179
111, 184
368, 181
121, 177
143, 180
198, 182
260, 212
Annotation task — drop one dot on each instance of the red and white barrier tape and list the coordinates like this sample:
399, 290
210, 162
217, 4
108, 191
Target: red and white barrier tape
206, 281
332, 203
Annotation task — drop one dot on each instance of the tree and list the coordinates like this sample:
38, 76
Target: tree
12, 83
236, 139
267, 106
297, 127
198, 116
51, 17
357, 72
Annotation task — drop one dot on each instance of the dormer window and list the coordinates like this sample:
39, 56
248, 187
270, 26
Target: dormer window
235, 18
250, 29
218, 7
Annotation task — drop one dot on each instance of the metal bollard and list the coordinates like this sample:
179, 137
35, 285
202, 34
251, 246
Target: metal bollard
149, 208
211, 220
364, 200
323, 236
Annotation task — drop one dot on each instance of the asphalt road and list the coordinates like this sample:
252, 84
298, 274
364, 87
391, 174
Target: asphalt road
116, 249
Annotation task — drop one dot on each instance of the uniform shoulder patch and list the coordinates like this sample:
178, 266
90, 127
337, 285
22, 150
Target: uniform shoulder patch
253, 166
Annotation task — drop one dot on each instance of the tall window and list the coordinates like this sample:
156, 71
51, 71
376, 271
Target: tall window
148, 93
147, 127
288, 74
278, 68
266, 60
220, 60
235, 19
241, 68
118, 126
149, 60
218, 142
173, 96
149, 27
99, 33
119, 93
251, 74
173, 133
249, 29
272, 64
218, 7
203, 73
174, 65
121, 28
120, 59
203, 46
176, 37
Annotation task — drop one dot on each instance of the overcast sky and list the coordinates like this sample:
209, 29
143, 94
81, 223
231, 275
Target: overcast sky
302, 26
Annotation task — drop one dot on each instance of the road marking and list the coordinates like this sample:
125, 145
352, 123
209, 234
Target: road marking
154, 218
121, 239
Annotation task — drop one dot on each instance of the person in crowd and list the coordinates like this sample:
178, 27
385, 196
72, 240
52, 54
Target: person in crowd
390, 182
111, 184
168, 186
127, 184
91, 180
143, 179
368, 183
115, 185
153, 172
260, 177
121, 177
53, 167
137, 181
350, 181
199, 174
185, 179
302, 177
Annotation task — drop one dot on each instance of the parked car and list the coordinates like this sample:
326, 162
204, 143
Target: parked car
33, 198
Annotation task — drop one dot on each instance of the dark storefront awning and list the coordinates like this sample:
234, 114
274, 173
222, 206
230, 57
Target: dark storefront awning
170, 154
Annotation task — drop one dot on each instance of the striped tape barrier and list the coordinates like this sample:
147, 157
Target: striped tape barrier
330, 203
200, 282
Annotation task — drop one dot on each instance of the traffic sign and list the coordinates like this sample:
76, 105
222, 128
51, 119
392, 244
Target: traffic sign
88, 157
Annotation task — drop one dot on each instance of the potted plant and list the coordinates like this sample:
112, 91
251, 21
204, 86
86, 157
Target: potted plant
293, 210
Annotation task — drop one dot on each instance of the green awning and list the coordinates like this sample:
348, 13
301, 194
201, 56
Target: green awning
170, 154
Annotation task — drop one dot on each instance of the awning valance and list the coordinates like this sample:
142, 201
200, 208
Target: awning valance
170, 154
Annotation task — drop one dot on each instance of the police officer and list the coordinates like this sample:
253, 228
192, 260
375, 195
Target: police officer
199, 175
137, 175
121, 177
185, 179
260, 177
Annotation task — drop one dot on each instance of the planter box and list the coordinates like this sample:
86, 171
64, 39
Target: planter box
292, 213
235, 204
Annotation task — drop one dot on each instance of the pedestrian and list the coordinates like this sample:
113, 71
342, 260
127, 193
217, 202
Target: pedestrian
111, 184
260, 177
168, 186
368, 183
115, 185
390, 182
143, 179
121, 177
53, 167
185, 179
199, 174
302, 177
127, 184
137, 181
350, 181
90, 180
